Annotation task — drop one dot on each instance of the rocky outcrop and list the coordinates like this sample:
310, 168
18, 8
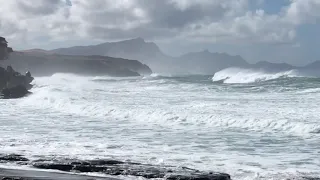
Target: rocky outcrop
4, 49
12, 158
12, 83
14, 92
115, 168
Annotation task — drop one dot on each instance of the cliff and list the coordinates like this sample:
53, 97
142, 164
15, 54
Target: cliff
42, 64
150, 54
136, 49
4, 49
12, 84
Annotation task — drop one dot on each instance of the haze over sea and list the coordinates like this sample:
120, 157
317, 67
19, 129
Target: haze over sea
250, 124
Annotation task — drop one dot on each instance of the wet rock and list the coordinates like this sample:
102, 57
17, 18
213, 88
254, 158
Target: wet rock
12, 158
61, 167
105, 162
10, 178
89, 168
217, 176
14, 92
4, 49
12, 83
114, 167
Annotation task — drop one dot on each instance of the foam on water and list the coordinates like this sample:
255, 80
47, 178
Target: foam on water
238, 75
93, 100
207, 126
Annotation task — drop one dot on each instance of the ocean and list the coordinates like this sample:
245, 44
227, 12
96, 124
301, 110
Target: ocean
250, 124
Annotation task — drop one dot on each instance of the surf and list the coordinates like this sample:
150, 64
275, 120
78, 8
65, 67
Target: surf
121, 99
243, 76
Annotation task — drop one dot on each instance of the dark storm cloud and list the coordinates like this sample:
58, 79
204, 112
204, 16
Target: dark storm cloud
165, 14
118, 34
38, 8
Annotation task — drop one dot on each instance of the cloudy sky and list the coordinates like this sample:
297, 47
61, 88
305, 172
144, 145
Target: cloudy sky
274, 30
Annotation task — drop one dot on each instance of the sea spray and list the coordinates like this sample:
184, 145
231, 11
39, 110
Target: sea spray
249, 130
238, 75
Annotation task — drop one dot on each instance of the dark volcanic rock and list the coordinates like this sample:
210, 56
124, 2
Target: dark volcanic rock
14, 92
105, 162
61, 167
114, 167
219, 176
12, 83
12, 158
4, 49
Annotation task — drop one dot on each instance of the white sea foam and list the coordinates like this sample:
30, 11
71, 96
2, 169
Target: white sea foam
211, 127
125, 101
238, 75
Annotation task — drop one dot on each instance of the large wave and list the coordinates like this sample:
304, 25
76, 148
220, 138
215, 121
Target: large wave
135, 101
239, 75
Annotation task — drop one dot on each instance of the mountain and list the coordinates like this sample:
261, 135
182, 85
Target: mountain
136, 49
47, 64
314, 65
150, 54
273, 66
203, 62
37, 51
209, 63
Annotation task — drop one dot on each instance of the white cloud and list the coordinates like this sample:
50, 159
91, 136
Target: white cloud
303, 11
228, 21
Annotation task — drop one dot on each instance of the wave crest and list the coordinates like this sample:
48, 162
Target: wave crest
238, 75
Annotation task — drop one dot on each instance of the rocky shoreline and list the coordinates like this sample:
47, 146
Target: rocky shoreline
15, 174
114, 168
108, 169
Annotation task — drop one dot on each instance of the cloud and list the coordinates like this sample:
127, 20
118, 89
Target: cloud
227, 21
303, 11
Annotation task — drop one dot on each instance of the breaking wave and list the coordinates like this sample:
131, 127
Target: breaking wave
124, 101
238, 75
163, 119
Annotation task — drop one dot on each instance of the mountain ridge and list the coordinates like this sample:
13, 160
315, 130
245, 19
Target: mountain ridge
203, 62
43, 64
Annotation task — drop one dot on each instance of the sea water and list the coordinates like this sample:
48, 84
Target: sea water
249, 124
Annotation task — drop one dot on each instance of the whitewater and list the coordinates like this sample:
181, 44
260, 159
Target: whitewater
250, 124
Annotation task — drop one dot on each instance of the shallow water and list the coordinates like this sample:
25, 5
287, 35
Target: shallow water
251, 128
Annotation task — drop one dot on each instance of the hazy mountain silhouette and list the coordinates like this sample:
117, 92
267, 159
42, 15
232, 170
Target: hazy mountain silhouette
207, 62
42, 63
149, 53
314, 65
130, 49
203, 62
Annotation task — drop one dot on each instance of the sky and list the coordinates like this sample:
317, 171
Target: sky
257, 30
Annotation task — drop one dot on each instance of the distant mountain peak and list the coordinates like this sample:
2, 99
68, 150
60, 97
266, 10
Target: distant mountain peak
206, 51
136, 48
138, 40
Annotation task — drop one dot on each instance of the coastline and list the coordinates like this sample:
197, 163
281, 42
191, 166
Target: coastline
65, 169
18, 174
